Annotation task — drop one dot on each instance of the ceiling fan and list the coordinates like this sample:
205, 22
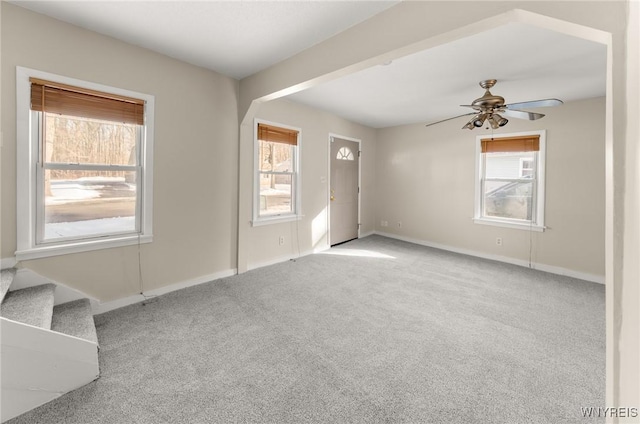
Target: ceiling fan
487, 108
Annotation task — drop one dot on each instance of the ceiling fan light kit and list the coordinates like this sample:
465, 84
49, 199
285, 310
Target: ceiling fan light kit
488, 106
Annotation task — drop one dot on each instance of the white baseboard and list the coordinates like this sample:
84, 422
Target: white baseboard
368, 233
8, 262
102, 307
281, 259
317, 249
594, 278
26, 277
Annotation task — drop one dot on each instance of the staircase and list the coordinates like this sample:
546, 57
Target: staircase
48, 349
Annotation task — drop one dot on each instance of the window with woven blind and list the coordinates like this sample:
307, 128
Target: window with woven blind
91, 157
510, 180
276, 173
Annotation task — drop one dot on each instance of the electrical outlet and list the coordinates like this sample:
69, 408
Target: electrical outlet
399, 224
384, 223
499, 241
281, 240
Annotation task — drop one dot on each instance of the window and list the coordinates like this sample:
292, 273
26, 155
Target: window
84, 153
277, 173
345, 153
510, 184
527, 167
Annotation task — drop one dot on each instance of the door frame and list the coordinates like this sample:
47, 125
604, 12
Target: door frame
359, 141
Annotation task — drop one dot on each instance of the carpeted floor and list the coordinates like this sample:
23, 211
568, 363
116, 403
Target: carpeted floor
374, 331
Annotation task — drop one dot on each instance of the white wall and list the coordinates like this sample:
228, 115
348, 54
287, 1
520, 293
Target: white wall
630, 294
309, 233
426, 180
195, 156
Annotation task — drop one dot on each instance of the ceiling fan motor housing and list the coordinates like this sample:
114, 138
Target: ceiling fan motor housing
488, 102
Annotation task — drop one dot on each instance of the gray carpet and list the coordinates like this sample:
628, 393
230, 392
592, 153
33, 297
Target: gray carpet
415, 335
75, 319
33, 305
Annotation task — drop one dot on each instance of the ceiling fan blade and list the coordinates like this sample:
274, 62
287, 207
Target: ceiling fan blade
535, 103
521, 114
449, 119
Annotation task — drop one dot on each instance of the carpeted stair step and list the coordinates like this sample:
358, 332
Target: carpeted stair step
6, 278
75, 319
33, 305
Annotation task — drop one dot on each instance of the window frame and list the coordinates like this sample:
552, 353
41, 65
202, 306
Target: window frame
27, 155
296, 193
536, 224
522, 168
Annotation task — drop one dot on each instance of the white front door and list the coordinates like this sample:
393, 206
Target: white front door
345, 163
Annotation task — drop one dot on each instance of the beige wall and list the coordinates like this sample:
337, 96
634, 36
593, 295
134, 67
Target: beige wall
195, 156
195, 227
411, 26
426, 180
311, 231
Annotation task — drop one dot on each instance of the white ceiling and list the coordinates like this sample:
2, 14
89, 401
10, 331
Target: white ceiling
239, 38
234, 38
529, 63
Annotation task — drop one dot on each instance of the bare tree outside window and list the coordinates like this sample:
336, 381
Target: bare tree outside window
89, 176
275, 174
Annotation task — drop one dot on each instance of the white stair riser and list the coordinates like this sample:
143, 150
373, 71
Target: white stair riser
39, 365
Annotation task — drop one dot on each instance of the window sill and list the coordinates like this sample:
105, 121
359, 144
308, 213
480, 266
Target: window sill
509, 224
81, 246
275, 220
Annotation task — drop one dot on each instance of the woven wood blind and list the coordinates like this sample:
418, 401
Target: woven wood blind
527, 143
65, 99
277, 134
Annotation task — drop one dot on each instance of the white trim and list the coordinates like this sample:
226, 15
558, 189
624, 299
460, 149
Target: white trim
89, 167
6, 263
276, 219
44, 251
102, 307
509, 224
367, 234
539, 187
284, 258
27, 150
594, 278
359, 159
26, 277
258, 220
273, 261
613, 311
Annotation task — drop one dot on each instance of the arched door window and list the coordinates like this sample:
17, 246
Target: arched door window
345, 153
